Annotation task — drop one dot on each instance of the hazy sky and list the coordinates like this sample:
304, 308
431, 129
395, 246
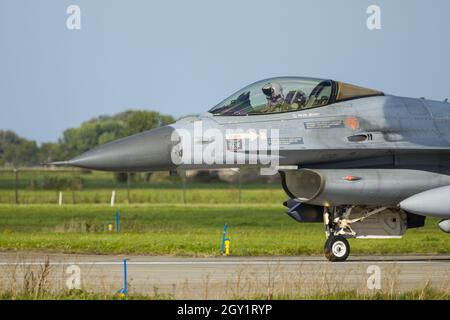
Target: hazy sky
183, 57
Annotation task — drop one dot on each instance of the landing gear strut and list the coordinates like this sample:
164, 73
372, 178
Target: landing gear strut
338, 227
336, 248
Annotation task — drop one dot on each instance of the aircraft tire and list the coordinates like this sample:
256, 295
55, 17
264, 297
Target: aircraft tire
337, 249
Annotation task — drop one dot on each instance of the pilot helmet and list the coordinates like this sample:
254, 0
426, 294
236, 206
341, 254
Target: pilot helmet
272, 90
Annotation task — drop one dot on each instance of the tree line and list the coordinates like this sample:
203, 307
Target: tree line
16, 151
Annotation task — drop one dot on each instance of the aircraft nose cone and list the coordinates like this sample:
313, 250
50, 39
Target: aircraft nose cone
145, 151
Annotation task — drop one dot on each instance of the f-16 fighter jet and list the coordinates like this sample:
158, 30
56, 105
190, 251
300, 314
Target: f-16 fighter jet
364, 163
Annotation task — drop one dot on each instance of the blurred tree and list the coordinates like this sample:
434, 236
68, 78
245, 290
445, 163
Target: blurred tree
104, 129
17, 151
49, 152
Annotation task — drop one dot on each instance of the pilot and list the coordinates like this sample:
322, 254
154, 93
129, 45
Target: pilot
274, 96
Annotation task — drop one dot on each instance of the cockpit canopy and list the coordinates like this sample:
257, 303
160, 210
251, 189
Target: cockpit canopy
288, 94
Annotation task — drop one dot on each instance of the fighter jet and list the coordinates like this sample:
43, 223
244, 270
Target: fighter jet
364, 163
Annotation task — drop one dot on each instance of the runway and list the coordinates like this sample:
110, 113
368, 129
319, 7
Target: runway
226, 277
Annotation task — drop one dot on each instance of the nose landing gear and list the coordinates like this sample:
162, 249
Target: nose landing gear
338, 227
336, 248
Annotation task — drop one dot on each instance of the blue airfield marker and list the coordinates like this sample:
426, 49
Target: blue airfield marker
117, 220
224, 236
124, 291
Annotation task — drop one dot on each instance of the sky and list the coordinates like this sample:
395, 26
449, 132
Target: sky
183, 57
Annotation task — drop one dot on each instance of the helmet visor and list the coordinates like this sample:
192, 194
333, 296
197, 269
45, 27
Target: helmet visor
267, 90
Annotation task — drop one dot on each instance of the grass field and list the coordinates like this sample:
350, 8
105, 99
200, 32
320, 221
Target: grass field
425, 293
177, 229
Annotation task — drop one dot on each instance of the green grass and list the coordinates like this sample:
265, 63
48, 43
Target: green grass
255, 229
78, 295
425, 293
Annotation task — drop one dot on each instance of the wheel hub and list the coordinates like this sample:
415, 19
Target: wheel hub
339, 249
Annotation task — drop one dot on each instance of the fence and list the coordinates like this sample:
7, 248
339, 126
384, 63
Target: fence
29, 186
